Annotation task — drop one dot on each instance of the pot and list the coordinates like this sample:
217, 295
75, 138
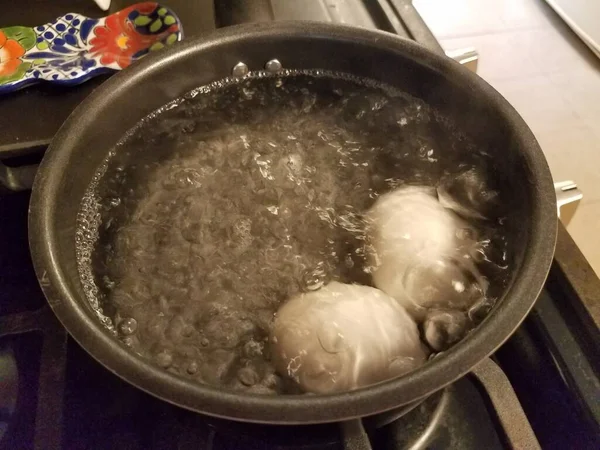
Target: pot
103, 118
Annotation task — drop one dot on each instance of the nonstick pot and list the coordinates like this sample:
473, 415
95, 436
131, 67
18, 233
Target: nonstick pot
103, 118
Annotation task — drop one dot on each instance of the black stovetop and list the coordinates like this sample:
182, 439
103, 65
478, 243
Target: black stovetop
53, 395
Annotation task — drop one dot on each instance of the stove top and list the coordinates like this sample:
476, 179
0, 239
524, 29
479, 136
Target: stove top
541, 386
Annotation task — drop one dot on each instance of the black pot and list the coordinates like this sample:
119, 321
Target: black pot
102, 119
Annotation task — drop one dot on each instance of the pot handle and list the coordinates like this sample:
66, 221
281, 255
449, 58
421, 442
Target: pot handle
354, 435
17, 178
512, 418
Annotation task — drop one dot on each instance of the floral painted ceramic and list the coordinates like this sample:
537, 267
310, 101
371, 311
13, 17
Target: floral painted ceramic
74, 48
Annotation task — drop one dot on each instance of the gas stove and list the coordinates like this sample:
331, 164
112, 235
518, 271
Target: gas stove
541, 388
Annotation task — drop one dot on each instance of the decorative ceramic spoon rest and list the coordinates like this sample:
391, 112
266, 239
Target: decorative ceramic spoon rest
74, 48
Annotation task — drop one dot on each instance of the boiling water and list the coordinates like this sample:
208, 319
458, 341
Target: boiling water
225, 203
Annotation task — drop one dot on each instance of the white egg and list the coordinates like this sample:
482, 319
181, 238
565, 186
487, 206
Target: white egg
420, 252
344, 336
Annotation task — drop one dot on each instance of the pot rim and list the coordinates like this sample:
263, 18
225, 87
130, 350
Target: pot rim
485, 339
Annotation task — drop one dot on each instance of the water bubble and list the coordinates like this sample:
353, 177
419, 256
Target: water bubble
248, 376
164, 359
128, 326
443, 328
192, 367
128, 341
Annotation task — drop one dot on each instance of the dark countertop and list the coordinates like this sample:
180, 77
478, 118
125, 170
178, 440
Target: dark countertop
580, 278
33, 115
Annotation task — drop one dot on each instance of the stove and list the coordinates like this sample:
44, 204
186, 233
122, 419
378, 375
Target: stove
541, 388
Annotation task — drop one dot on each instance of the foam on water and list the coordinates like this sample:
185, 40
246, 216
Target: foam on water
221, 205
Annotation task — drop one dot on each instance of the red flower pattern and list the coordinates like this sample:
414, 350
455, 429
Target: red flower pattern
117, 41
10, 55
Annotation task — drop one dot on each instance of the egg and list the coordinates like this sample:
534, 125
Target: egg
342, 337
419, 252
